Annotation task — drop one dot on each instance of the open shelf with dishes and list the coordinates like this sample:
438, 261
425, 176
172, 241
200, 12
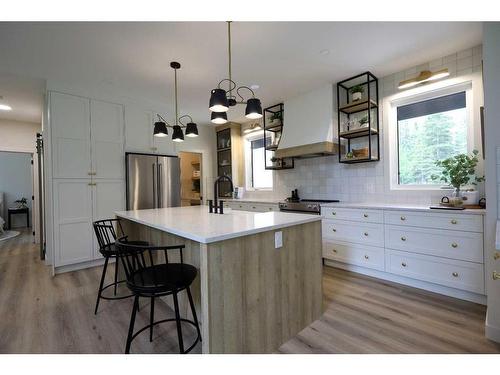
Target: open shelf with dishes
358, 119
273, 128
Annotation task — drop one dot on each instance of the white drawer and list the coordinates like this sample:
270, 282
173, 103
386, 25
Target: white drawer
462, 222
452, 273
362, 233
238, 206
444, 243
365, 256
353, 214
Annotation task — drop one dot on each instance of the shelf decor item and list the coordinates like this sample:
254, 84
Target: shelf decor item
221, 99
357, 92
458, 171
358, 119
21, 203
160, 126
273, 128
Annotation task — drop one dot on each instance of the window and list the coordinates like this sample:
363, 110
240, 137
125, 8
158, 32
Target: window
257, 177
430, 130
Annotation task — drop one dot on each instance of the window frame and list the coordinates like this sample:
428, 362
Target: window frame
469, 84
248, 161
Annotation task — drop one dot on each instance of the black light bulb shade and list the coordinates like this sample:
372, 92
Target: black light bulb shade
218, 101
191, 129
160, 129
218, 117
253, 109
177, 135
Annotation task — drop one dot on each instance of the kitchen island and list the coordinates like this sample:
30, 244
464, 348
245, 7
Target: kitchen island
251, 294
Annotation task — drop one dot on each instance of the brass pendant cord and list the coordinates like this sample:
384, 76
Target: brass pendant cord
175, 88
229, 53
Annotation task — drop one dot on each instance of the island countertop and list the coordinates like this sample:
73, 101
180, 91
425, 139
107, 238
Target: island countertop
195, 223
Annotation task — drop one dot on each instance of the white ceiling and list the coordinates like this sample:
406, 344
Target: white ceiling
283, 58
24, 95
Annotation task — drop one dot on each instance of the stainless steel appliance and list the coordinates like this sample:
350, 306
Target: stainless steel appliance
305, 206
153, 181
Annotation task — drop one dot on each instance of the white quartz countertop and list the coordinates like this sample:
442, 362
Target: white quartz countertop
195, 223
402, 207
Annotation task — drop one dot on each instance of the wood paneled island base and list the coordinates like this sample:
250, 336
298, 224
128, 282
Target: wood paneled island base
251, 297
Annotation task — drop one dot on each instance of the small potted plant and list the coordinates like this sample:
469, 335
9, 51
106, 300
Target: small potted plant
275, 119
357, 92
274, 160
458, 171
363, 121
21, 203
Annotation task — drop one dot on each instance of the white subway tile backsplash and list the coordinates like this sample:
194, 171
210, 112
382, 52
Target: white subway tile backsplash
464, 63
464, 53
450, 58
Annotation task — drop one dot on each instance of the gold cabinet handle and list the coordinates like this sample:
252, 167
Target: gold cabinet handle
334, 230
367, 257
154, 148
334, 250
253, 207
455, 274
365, 234
334, 213
92, 184
403, 218
454, 245
496, 275
365, 215
403, 238
403, 264
453, 221
92, 173
496, 255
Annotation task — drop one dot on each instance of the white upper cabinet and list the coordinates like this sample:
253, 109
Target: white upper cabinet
138, 129
107, 129
70, 127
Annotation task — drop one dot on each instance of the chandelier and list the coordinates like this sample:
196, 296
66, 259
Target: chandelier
221, 99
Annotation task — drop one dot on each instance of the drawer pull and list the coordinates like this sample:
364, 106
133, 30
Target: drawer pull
454, 245
497, 255
453, 221
455, 274
335, 251
253, 207
334, 230
334, 213
366, 234
403, 218
270, 208
365, 215
367, 257
403, 264
403, 238
496, 275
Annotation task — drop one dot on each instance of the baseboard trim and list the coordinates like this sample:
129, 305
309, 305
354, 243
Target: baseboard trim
451, 292
81, 266
490, 331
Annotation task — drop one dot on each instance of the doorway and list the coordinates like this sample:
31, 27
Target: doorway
191, 178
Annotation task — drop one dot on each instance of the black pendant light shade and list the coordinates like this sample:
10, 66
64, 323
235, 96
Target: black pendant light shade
160, 129
219, 117
177, 135
253, 109
218, 101
191, 130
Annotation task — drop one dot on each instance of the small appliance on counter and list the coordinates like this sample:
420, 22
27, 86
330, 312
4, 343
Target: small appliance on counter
238, 193
305, 206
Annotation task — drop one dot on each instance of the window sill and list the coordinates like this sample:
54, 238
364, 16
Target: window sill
431, 188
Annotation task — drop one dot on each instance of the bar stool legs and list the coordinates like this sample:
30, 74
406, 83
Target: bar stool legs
103, 276
131, 326
178, 322
151, 319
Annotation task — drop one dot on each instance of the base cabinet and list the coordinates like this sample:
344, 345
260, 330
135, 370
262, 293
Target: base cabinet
438, 249
252, 206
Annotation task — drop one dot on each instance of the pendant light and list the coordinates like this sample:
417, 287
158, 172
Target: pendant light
160, 127
221, 100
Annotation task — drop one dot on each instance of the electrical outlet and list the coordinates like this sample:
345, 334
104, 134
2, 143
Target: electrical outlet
278, 239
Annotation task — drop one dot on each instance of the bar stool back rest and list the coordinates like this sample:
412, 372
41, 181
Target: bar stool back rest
106, 233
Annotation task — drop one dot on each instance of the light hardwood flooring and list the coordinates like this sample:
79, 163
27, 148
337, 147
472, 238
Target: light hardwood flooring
42, 314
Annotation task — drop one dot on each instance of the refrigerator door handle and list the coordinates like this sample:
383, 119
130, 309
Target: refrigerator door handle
160, 188
154, 188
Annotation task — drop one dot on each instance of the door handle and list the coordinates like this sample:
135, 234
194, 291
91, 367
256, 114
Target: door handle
160, 189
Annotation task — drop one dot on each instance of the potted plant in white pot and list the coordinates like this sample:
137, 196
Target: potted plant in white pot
357, 92
275, 119
459, 171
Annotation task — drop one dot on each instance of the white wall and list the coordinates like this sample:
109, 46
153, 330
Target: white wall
491, 46
15, 183
326, 178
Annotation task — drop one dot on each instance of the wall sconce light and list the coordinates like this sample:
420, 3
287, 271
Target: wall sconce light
424, 76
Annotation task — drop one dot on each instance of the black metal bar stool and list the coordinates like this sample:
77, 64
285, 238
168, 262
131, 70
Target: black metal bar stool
150, 276
105, 231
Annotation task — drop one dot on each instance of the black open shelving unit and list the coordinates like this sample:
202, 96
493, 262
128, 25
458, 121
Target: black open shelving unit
351, 132
272, 137
224, 161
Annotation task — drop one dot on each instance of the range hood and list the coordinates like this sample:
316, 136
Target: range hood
309, 121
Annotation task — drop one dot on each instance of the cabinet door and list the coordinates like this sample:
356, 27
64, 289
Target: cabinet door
70, 128
108, 196
138, 130
107, 130
73, 233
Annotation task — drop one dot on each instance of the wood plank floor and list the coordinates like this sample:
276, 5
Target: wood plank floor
42, 314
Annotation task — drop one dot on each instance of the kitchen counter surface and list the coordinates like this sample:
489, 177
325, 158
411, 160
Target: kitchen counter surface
195, 223
403, 207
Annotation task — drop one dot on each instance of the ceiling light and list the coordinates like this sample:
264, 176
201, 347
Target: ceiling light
424, 76
219, 117
160, 128
221, 100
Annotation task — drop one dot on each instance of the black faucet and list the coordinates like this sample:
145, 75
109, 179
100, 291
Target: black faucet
216, 191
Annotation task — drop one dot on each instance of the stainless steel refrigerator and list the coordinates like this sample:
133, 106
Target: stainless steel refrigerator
153, 181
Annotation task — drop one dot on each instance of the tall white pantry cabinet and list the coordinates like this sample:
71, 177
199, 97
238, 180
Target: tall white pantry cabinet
88, 172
